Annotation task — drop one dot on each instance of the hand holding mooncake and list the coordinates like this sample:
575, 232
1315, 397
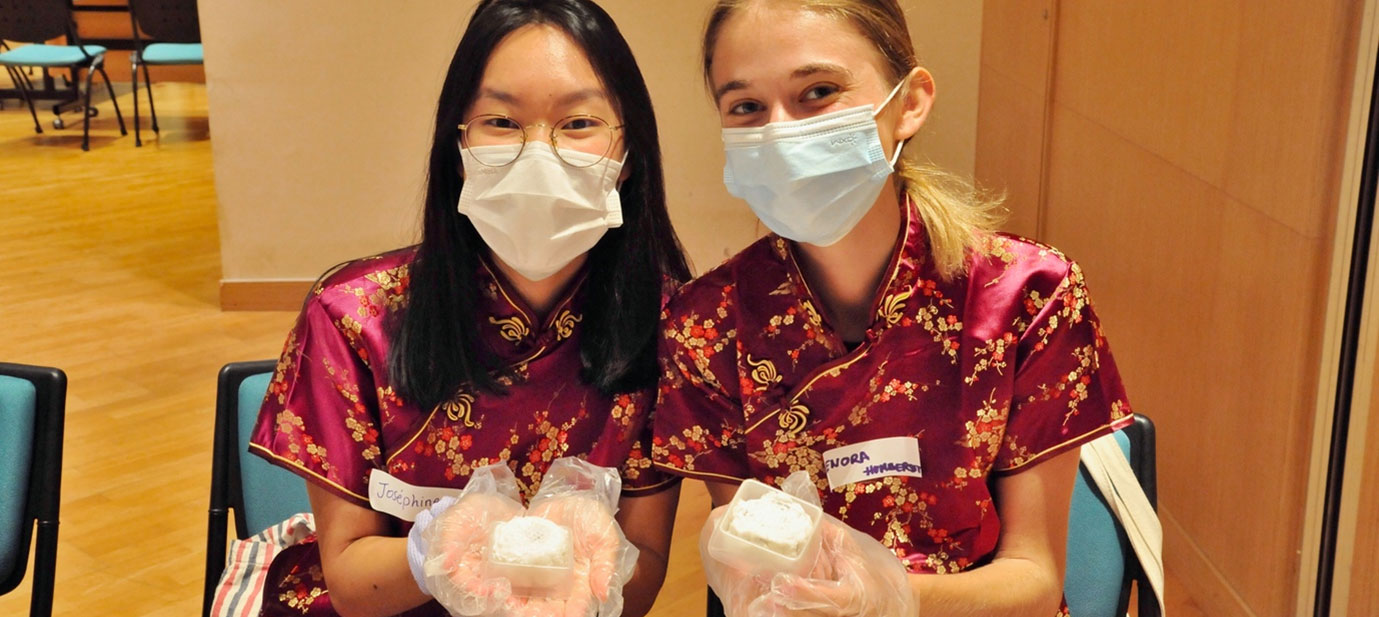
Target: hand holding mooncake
564, 556
582, 498
853, 576
773, 552
761, 533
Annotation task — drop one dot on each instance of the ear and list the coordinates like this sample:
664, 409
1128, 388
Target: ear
916, 100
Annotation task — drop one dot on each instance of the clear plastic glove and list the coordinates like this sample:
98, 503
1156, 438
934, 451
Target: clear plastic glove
854, 576
583, 498
456, 539
417, 543
739, 590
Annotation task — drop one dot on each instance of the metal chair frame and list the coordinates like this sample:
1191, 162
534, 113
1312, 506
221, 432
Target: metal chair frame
164, 21
45, 484
36, 21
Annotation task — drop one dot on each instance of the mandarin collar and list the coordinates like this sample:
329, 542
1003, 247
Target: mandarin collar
510, 323
899, 283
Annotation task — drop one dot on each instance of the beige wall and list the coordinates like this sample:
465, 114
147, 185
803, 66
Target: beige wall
321, 112
1149, 140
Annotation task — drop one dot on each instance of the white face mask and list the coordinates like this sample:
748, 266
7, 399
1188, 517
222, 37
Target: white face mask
810, 180
538, 214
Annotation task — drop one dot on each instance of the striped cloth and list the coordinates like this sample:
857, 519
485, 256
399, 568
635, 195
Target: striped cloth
240, 591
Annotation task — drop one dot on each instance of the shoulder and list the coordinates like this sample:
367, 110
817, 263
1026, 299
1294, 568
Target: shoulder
369, 286
717, 286
1004, 261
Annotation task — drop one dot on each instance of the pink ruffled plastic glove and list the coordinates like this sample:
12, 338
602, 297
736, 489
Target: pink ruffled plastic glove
582, 497
854, 576
457, 539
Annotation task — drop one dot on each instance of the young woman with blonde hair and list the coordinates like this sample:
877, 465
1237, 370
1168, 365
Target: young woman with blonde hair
932, 377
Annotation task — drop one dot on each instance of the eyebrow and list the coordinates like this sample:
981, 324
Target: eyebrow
821, 67
578, 96
804, 71
499, 95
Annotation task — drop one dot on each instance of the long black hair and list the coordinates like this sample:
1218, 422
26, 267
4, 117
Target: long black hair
437, 348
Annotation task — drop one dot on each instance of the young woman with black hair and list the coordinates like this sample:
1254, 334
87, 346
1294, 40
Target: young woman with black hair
520, 329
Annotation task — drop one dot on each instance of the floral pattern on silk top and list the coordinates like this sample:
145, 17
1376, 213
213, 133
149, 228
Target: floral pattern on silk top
991, 372
332, 413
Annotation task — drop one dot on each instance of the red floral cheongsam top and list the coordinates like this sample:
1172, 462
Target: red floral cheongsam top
992, 373
332, 413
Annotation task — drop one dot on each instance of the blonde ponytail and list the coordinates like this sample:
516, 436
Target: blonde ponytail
957, 216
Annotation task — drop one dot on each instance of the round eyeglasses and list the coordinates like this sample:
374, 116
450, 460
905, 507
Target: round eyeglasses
581, 133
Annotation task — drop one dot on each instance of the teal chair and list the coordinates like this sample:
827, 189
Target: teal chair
1102, 566
257, 493
175, 31
32, 408
39, 21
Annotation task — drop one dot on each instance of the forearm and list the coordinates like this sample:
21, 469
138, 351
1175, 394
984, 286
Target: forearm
1008, 587
640, 592
647, 523
370, 578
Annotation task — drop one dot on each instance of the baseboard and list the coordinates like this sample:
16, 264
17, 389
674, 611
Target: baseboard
1206, 586
263, 295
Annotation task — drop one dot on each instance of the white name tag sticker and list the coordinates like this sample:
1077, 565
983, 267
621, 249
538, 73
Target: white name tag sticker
390, 495
878, 458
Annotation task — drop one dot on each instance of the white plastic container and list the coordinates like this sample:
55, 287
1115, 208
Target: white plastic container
532, 581
751, 557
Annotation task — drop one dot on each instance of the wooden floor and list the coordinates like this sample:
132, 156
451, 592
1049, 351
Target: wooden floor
109, 264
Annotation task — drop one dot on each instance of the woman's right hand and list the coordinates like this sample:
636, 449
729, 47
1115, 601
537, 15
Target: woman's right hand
417, 544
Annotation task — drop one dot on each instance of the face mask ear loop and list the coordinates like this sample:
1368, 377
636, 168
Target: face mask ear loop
895, 158
889, 97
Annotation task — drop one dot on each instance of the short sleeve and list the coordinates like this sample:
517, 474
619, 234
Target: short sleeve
629, 436
320, 419
699, 426
1067, 389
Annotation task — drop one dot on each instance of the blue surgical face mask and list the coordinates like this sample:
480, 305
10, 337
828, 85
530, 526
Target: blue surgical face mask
810, 180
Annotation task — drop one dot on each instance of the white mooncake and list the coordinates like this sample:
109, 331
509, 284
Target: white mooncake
773, 521
531, 541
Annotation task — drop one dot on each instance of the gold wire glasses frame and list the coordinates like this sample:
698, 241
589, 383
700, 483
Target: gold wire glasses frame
580, 132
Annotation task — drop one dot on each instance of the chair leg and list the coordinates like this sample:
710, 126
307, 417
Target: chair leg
152, 113
45, 568
20, 81
86, 111
134, 81
111, 89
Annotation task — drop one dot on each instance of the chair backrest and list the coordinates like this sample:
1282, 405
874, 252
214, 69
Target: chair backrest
167, 21
1101, 564
35, 21
258, 493
270, 494
32, 409
18, 409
